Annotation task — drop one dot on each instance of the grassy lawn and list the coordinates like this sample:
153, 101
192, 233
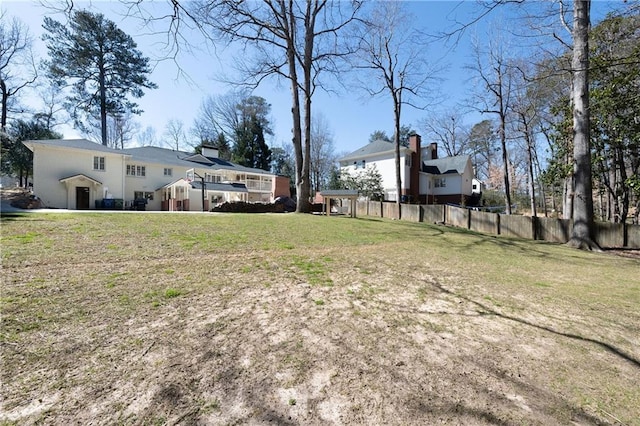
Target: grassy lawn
299, 319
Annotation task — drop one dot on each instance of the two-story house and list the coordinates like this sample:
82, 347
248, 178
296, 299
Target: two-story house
80, 174
424, 177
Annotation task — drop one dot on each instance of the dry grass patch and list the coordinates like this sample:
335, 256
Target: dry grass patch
295, 319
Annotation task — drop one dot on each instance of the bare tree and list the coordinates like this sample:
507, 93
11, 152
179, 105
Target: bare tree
17, 66
494, 73
52, 101
395, 62
174, 132
447, 129
323, 154
482, 143
526, 105
121, 128
294, 40
219, 114
147, 137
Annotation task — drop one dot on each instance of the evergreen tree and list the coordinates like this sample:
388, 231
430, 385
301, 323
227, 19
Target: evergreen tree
17, 159
379, 135
615, 108
100, 63
250, 148
222, 144
367, 182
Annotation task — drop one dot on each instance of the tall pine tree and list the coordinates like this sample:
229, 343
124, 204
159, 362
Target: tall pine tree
250, 148
101, 65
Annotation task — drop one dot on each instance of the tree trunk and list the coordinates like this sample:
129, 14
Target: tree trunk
567, 198
305, 194
532, 188
623, 188
103, 103
5, 101
397, 110
582, 232
505, 160
297, 139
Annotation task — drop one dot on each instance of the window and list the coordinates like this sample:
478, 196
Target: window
98, 163
407, 160
359, 164
208, 177
440, 182
168, 172
134, 170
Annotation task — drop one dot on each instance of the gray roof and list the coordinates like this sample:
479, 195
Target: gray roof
152, 154
446, 165
181, 158
376, 147
75, 144
221, 187
219, 163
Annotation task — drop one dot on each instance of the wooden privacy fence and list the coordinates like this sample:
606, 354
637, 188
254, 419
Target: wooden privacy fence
607, 235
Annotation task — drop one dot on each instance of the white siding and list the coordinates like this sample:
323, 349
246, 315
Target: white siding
154, 178
50, 164
387, 168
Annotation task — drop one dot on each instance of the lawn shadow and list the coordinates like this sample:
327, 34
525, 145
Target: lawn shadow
486, 310
19, 216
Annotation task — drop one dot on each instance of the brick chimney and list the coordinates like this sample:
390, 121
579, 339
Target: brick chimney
433, 147
414, 170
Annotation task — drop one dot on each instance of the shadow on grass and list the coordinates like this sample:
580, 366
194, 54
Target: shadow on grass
11, 216
18, 216
486, 310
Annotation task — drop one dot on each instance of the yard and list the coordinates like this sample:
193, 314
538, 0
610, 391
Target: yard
140, 318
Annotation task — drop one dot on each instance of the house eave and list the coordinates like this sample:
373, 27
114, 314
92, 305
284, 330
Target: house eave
79, 176
403, 150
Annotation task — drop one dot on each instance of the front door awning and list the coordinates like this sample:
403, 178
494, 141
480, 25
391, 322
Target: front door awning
80, 177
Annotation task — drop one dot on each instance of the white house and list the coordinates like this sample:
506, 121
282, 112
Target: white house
80, 174
424, 177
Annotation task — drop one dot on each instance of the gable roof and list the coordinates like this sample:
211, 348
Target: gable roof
82, 144
80, 176
198, 158
219, 163
186, 159
446, 165
221, 187
154, 154
149, 154
379, 146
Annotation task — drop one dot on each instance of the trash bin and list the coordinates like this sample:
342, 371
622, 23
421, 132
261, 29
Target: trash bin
140, 204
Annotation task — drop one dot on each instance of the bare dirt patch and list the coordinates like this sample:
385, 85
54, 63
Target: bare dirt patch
375, 327
20, 198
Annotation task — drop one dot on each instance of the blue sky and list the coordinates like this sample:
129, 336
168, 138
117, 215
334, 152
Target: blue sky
352, 117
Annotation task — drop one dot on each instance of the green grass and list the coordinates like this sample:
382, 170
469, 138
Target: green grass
279, 297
